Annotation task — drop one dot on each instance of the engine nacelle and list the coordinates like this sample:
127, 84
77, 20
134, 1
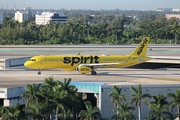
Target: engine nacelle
67, 69
84, 69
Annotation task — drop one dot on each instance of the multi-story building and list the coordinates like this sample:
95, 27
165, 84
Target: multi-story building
23, 16
164, 9
168, 16
176, 10
47, 17
1, 17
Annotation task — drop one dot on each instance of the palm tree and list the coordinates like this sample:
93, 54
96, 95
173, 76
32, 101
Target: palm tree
68, 116
68, 91
66, 88
125, 112
175, 101
49, 83
65, 96
159, 108
36, 111
137, 97
11, 113
91, 113
159, 100
59, 103
46, 99
48, 93
54, 96
31, 94
117, 97
159, 113
37, 94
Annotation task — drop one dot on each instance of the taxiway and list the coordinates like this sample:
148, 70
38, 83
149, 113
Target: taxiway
10, 78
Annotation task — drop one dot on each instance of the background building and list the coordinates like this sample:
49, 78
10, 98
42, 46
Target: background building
176, 10
47, 17
24, 15
164, 9
168, 16
1, 17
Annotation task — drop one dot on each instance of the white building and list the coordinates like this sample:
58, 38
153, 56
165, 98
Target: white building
47, 17
1, 17
176, 10
23, 16
168, 16
163, 9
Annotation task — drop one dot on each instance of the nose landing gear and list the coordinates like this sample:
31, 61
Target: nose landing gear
39, 73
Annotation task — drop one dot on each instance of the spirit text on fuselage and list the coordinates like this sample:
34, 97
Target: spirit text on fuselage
80, 60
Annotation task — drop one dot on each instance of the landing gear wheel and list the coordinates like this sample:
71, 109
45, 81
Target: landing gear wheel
93, 73
39, 73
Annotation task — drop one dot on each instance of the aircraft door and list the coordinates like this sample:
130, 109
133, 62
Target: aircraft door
42, 62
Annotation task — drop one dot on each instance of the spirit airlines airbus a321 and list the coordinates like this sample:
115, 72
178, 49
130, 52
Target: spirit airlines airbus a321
87, 64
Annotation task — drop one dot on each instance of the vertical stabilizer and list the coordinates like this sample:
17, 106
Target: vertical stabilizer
141, 49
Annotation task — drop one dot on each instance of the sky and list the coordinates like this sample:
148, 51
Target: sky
91, 4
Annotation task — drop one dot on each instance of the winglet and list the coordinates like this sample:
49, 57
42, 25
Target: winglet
141, 49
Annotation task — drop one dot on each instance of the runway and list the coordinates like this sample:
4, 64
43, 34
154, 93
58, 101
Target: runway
13, 78
156, 50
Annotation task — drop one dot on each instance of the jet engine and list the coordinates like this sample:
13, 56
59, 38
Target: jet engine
83, 69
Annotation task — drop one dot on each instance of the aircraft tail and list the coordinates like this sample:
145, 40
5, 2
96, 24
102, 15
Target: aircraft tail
141, 49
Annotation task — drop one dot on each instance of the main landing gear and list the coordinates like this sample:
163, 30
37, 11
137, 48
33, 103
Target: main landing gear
93, 72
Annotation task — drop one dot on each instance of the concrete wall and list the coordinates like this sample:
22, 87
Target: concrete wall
107, 108
15, 63
3, 92
11, 92
14, 101
15, 92
2, 63
12, 96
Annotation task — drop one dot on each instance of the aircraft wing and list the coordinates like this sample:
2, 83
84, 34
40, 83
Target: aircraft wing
100, 64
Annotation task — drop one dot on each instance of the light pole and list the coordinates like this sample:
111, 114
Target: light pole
39, 38
136, 35
175, 37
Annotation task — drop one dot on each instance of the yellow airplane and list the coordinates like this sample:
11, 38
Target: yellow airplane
86, 64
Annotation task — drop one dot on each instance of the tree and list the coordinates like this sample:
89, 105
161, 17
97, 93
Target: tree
159, 100
91, 113
11, 113
159, 108
65, 96
175, 101
48, 94
159, 113
60, 103
117, 97
125, 112
37, 111
54, 97
137, 97
31, 95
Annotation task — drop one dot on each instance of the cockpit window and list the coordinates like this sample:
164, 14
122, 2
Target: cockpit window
32, 59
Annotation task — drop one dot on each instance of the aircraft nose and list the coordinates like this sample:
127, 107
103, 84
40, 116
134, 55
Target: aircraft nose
26, 64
